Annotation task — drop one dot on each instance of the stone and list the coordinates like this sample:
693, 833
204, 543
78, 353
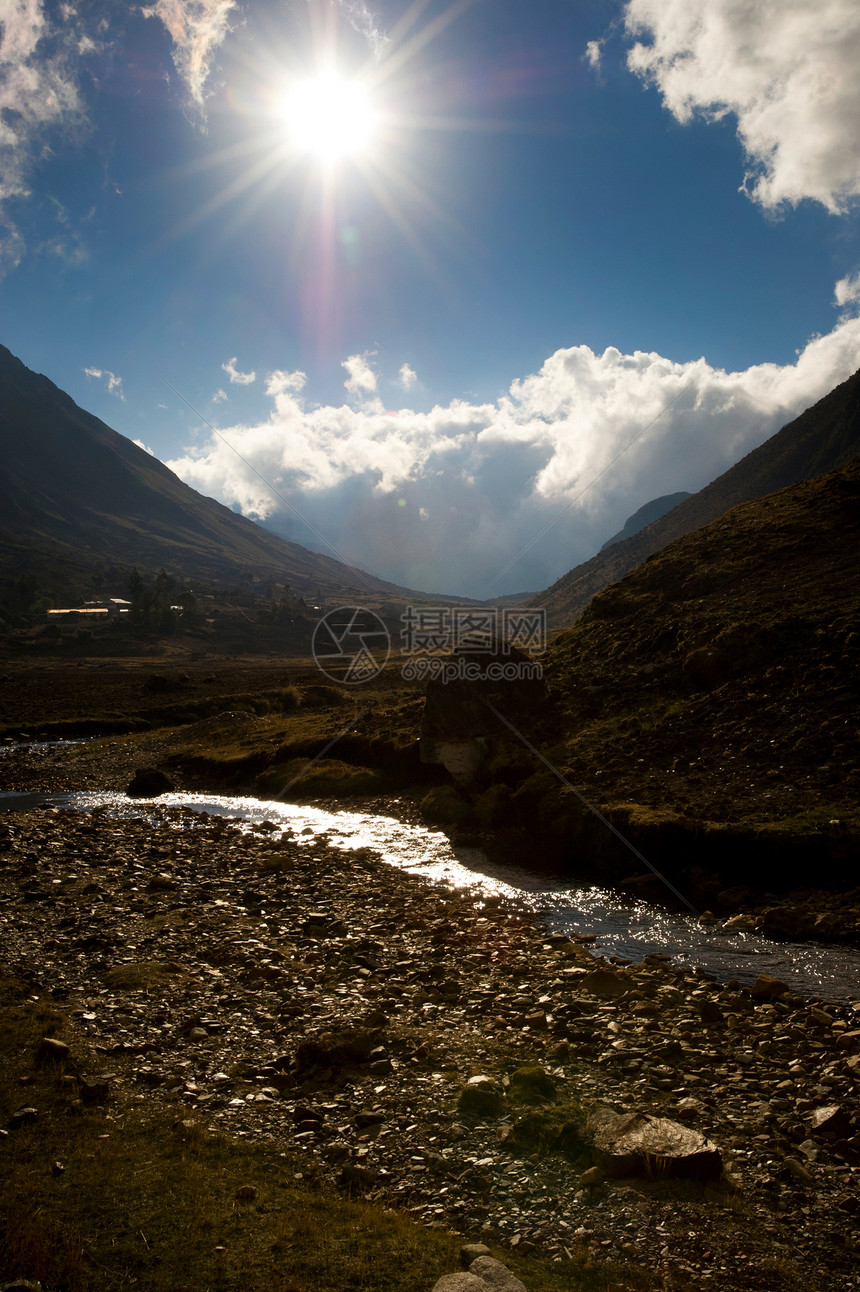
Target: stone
50, 1050
460, 1282
22, 1285
767, 988
604, 983
22, 1117
592, 1176
494, 1274
93, 1090
833, 1120
710, 1013
637, 1144
246, 1193
798, 1171
471, 1251
443, 805
365, 1117
148, 783
354, 1178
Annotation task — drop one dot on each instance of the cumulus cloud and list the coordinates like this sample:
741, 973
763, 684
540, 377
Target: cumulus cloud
361, 379
236, 377
786, 69
197, 29
140, 444
407, 377
113, 382
588, 438
847, 291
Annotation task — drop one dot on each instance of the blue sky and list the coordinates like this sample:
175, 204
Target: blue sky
589, 253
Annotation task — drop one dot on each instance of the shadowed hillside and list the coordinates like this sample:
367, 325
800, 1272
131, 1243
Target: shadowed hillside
74, 493
826, 436
708, 701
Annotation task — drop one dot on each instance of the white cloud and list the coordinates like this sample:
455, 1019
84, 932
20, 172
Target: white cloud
594, 53
140, 444
114, 383
39, 94
493, 475
847, 291
236, 377
361, 379
281, 383
786, 69
219, 396
360, 16
197, 28
407, 377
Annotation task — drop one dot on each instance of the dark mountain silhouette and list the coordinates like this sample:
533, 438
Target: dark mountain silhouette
708, 700
646, 515
823, 438
75, 494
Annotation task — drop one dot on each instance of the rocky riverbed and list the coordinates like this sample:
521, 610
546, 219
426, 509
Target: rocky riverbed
274, 987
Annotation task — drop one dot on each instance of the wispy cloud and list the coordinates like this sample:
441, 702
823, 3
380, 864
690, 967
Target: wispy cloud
197, 29
219, 396
39, 94
493, 475
236, 377
786, 69
407, 377
360, 16
112, 381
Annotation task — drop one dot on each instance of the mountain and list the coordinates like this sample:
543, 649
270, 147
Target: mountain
76, 495
646, 515
708, 701
823, 438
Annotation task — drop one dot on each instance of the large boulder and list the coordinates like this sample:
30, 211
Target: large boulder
148, 783
461, 707
638, 1144
496, 1275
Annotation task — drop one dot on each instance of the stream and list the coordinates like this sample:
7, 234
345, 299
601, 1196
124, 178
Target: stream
623, 926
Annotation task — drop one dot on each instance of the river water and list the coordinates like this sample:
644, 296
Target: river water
623, 927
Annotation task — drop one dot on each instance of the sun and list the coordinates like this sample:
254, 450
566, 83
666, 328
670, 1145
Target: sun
330, 118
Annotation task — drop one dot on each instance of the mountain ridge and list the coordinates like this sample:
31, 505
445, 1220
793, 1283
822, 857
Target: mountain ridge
75, 493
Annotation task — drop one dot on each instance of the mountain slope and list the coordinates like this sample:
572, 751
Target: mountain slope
74, 493
719, 682
646, 515
823, 438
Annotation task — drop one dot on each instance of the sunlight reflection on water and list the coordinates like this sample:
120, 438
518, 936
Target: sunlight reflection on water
623, 927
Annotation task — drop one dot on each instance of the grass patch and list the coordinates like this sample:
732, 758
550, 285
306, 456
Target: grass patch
142, 975
554, 1129
531, 1085
328, 776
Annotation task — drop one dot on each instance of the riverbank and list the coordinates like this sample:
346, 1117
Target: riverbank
239, 752
316, 1003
